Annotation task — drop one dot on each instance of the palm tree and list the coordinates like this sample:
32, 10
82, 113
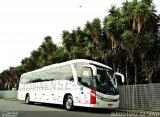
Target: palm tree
47, 49
126, 7
67, 42
78, 37
93, 29
129, 43
2, 82
60, 55
148, 52
114, 24
115, 12
36, 55
7, 79
28, 64
137, 14
110, 29
13, 75
148, 2
141, 18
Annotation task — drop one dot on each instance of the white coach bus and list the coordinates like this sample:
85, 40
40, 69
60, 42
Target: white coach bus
73, 83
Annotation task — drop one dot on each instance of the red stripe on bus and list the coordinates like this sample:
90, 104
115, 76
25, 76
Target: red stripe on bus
93, 97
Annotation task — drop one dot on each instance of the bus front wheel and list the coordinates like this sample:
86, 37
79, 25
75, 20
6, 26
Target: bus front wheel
69, 103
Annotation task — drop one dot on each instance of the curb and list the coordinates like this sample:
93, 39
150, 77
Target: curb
11, 99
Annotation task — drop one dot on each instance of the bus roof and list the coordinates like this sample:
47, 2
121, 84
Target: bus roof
69, 62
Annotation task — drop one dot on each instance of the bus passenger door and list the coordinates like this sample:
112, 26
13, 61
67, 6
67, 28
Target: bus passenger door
85, 88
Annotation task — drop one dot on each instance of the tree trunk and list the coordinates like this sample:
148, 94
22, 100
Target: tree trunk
112, 37
149, 74
135, 73
126, 78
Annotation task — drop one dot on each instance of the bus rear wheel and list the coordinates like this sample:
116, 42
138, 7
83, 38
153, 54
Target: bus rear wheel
69, 103
27, 99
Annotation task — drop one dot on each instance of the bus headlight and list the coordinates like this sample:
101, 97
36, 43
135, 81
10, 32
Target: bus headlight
108, 100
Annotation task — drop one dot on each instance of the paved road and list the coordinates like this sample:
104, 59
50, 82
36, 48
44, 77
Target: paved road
15, 108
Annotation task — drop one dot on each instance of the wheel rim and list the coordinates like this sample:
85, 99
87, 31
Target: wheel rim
69, 103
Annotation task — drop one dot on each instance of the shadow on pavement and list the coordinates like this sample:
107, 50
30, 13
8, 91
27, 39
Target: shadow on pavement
77, 109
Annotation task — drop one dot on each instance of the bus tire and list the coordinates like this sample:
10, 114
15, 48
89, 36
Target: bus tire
69, 103
27, 99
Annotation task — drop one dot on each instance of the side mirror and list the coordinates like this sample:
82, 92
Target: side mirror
121, 75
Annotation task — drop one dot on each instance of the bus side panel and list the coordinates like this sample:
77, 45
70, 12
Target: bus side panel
21, 91
66, 87
83, 96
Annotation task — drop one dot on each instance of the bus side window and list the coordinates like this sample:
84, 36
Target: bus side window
86, 76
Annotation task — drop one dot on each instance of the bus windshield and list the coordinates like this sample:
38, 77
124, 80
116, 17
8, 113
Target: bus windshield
103, 82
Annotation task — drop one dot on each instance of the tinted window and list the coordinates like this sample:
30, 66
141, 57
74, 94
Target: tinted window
53, 73
66, 72
24, 79
58, 73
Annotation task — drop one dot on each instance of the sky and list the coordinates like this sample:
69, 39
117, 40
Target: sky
25, 23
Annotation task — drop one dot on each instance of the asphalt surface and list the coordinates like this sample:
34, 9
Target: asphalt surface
16, 108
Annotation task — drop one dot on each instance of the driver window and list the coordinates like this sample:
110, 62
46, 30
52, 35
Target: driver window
85, 79
119, 80
101, 77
